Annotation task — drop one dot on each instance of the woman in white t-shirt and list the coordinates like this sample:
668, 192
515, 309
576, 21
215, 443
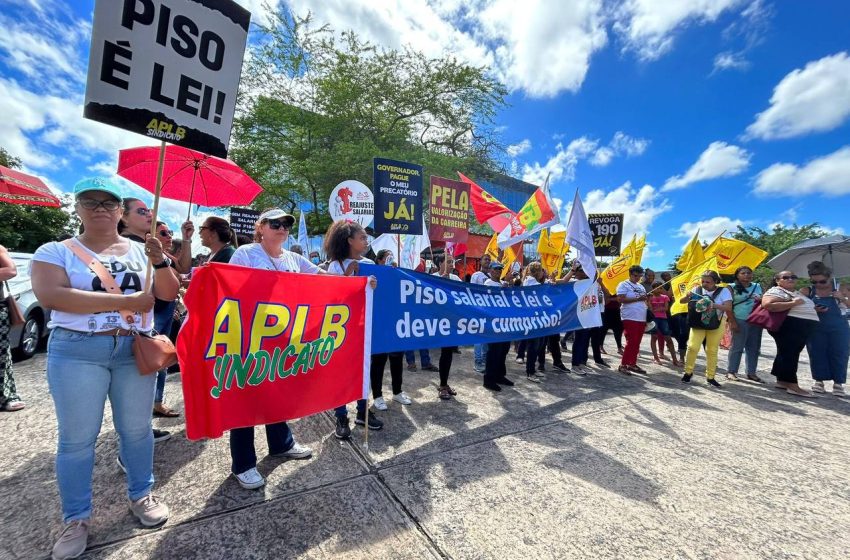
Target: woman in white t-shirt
90, 356
801, 321
267, 253
345, 244
716, 301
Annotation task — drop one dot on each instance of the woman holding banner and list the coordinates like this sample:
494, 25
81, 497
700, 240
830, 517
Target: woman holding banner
90, 355
345, 244
266, 253
495, 372
379, 361
444, 391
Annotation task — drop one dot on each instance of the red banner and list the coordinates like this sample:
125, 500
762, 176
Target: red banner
449, 210
260, 347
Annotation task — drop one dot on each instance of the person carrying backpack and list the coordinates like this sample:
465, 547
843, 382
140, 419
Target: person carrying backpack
707, 303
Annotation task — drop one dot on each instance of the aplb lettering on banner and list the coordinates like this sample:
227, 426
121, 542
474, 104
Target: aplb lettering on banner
168, 70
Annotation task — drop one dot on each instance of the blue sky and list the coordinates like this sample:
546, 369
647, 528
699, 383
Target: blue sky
683, 114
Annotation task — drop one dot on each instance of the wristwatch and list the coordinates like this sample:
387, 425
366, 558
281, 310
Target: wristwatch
166, 262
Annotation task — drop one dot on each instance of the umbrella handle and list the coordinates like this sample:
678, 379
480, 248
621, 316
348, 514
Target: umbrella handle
154, 213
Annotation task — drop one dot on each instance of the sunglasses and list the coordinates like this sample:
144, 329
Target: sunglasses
91, 204
277, 224
792, 277
166, 233
820, 282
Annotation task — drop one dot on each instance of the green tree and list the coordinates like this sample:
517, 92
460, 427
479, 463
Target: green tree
25, 228
775, 241
314, 110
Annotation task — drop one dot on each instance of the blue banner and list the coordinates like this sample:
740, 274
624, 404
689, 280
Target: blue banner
412, 310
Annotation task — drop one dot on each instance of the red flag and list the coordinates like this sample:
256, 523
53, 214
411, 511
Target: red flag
261, 347
486, 207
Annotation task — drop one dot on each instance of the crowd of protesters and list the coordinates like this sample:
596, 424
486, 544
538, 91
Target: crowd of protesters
92, 326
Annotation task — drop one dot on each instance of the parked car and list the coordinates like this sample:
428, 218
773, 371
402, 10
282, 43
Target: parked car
25, 338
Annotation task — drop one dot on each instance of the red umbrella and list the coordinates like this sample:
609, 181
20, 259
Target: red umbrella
20, 188
190, 176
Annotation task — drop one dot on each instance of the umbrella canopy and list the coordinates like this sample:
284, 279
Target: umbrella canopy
20, 188
833, 250
189, 176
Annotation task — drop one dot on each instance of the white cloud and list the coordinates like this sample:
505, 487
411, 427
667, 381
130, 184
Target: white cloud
602, 157
828, 175
718, 160
813, 99
730, 61
519, 148
709, 229
562, 165
542, 49
648, 27
640, 206
622, 143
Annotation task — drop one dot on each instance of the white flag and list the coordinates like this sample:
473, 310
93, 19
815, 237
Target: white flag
580, 237
303, 240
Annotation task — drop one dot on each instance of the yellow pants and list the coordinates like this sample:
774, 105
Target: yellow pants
712, 343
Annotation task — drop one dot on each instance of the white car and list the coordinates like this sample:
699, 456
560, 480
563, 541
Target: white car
25, 338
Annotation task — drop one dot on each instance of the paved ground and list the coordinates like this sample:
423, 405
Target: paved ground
603, 466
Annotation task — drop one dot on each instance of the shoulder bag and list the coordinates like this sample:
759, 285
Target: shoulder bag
152, 351
15, 317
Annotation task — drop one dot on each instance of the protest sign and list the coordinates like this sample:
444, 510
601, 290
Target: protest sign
168, 69
243, 220
424, 311
607, 230
352, 200
261, 347
398, 197
449, 210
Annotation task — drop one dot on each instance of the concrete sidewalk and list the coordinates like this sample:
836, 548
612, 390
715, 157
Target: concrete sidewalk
603, 466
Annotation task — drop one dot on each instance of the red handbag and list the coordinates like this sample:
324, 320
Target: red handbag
770, 320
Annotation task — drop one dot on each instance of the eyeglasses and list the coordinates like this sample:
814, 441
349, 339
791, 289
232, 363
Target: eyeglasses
109, 204
277, 224
792, 277
166, 233
820, 282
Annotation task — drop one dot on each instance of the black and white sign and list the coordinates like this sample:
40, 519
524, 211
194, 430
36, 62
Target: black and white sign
607, 230
168, 69
242, 220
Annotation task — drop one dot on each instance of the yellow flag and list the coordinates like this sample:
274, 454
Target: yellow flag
692, 255
618, 270
639, 247
509, 257
493, 248
687, 281
732, 253
553, 243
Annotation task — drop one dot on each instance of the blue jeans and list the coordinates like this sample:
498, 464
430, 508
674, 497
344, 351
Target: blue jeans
424, 357
342, 411
162, 320
82, 371
480, 354
747, 339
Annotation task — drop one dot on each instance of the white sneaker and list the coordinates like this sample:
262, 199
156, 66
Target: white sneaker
250, 479
817, 387
402, 398
380, 403
838, 390
297, 451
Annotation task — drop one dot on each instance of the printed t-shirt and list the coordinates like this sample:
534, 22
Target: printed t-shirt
635, 311
658, 304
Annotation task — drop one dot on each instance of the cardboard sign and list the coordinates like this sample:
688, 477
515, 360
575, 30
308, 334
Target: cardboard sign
398, 197
168, 69
243, 220
449, 210
607, 230
352, 200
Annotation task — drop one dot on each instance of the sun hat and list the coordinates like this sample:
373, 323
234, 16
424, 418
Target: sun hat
97, 184
276, 214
